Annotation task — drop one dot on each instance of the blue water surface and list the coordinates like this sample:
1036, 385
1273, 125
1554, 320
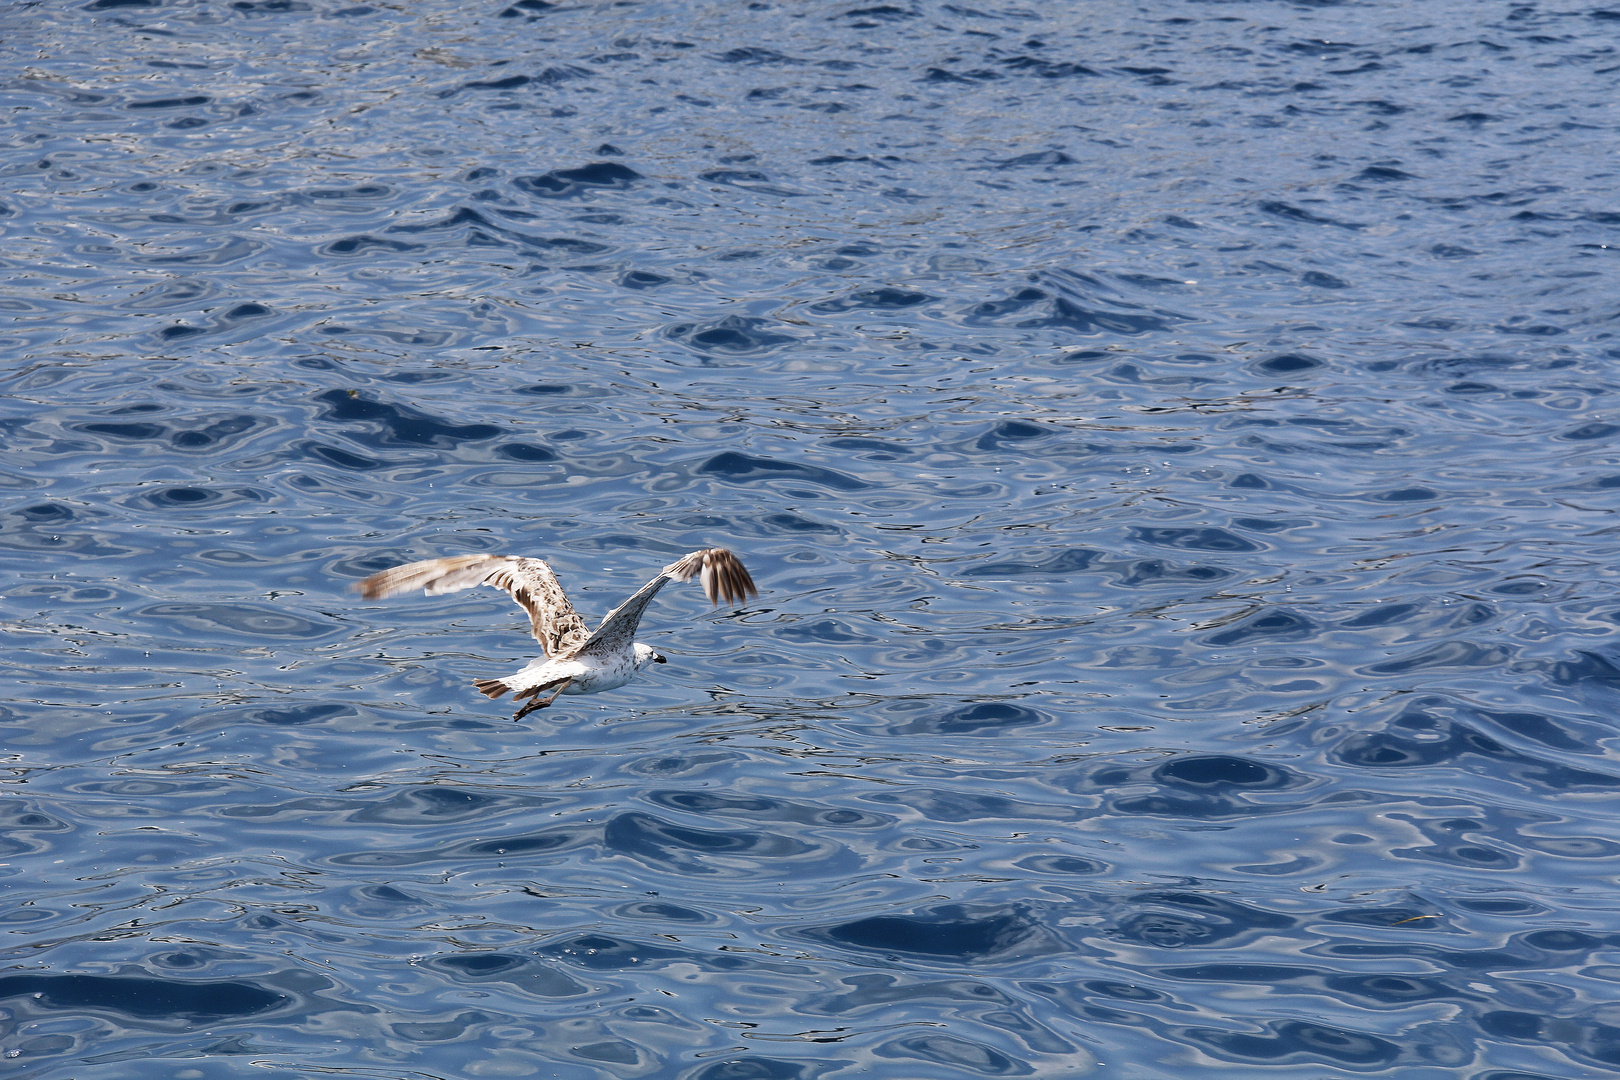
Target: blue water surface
1177, 444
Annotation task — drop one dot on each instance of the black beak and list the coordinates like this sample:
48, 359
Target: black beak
658, 658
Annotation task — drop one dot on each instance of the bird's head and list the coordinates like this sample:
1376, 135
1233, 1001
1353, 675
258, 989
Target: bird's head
645, 655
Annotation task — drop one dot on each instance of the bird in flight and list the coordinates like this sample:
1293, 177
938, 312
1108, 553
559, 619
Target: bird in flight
577, 660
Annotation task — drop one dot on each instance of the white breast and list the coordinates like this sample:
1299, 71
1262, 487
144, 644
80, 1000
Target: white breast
602, 675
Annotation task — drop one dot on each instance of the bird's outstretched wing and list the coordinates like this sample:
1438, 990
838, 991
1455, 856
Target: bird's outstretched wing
723, 577
557, 626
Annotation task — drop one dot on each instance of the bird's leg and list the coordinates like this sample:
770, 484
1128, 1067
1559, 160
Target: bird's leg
536, 703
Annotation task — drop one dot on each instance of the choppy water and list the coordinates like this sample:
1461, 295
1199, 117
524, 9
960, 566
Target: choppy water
1177, 443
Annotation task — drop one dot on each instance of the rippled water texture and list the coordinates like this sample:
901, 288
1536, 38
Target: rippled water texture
1176, 442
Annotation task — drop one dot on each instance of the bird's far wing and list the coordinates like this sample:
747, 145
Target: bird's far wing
723, 577
557, 626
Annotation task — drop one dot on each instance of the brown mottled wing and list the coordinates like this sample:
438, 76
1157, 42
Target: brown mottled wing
557, 626
723, 577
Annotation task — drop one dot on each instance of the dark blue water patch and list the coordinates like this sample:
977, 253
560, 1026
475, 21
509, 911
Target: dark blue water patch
1287, 364
862, 993
137, 999
328, 198
523, 974
1404, 917
384, 425
824, 631
128, 432
953, 1053
548, 76
735, 335
1587, 672
360, 245
1286, 1042
299, 715
869, 449
739, 468
661, 912
193, 498
1316, 279
526, 452
171, 102
251, 8
986, 719
438, 804
885, 299
1131, 373
1584, 1037
1426, 733
1046, 310
1194, 920
643, 279
1384, 614
1012, 433
762, 808
232, 250
478, 230
1058, 69
1061, 864
943, 804
1462, 842
751, 180
1589, 432
1407, 494
755, 1067
189, 436
1190, 787
968, 78
1384, 174
602, 952
957, 933
38, 528
1042, 157
689, 850
1275, 624
335, 456
1199, 538
755, 55
787, 524
1149, 281
521, 846
1445, 657
1521, 587
1223, 772
1270, 525
1290, 212
1073, 560
578, 182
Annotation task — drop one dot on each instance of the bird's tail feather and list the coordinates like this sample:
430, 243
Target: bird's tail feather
494, 688
491, 688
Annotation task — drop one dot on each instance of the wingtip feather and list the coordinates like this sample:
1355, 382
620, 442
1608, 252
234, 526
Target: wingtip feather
725, 579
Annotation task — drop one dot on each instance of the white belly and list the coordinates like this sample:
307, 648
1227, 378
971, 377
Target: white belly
599, 679
590, 675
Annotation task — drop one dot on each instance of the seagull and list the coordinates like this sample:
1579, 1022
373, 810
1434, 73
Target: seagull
576, 661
